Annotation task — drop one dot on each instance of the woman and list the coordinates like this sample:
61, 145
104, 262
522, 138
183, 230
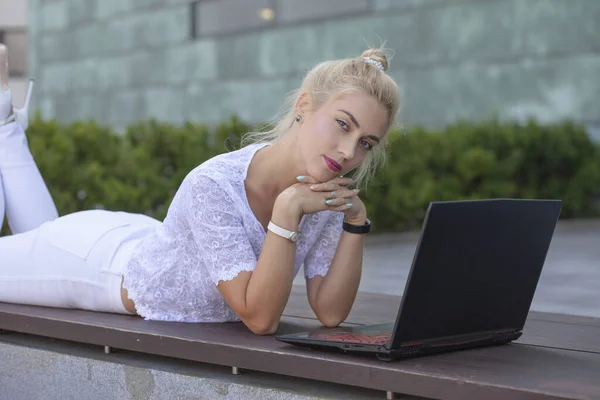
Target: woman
238, 229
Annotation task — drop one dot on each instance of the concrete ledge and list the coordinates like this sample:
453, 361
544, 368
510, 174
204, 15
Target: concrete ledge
33, 367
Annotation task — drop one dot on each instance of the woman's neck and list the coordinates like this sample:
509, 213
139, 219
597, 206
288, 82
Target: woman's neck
276, 167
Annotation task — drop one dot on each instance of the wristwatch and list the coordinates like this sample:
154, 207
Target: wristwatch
366, 228
284, 233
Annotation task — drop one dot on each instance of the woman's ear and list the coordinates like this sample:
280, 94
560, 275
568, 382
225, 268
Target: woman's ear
303, 104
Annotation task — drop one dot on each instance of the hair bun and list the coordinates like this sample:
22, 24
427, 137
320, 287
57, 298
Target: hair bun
377, 55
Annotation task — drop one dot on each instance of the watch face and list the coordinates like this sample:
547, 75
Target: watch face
294, 237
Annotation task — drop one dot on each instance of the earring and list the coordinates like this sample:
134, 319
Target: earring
298, 118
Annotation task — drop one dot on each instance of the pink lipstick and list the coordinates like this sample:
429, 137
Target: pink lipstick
332, 165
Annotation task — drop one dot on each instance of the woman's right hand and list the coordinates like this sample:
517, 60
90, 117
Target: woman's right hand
300, 199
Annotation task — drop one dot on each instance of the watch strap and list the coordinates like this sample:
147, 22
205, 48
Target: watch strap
359, 229
284, 233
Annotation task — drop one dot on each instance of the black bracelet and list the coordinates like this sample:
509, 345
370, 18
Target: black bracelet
361, 229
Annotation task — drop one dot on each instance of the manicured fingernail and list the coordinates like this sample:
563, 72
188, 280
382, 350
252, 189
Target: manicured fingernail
329, 201
349, 204
301, 178
314, 187
356, 190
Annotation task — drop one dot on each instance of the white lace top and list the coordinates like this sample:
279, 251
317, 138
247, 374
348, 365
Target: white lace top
210, 234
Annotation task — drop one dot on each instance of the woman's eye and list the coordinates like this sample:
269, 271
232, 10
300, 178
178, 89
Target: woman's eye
366, 145
343, 124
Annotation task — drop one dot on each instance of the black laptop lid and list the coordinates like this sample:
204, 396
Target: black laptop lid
476, 267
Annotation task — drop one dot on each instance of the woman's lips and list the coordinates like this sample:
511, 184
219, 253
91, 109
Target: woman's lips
332, 165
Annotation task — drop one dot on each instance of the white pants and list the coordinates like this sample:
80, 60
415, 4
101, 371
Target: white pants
75, 261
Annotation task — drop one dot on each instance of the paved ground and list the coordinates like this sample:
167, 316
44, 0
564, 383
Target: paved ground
570, 281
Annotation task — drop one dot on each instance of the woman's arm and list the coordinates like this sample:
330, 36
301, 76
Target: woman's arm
257, 290
259, 297
331, 297
335, 266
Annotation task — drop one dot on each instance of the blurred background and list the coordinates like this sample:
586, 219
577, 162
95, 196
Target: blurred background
119, 61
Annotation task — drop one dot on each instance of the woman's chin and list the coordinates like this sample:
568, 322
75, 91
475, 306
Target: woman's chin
321, 175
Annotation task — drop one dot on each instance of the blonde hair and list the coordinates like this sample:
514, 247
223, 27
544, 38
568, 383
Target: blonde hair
335, 78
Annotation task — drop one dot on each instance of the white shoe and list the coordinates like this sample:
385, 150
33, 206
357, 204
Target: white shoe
5, 93
8, 113
22, 114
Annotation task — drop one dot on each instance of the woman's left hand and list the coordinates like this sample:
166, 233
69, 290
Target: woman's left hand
341, 198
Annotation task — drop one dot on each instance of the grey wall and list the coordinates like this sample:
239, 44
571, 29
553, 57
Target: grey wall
118, 61
46, 369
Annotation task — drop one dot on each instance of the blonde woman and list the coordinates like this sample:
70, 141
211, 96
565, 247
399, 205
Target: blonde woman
239, 228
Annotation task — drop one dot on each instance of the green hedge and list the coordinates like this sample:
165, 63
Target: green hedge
486, 160
87, 165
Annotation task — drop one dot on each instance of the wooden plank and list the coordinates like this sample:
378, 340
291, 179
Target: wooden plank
550, 330
368, 308
569, 319
372, 308
511, 371
561, 335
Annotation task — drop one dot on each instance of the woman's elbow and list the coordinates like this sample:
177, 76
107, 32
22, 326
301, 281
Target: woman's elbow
266, 330
262, 327
329, 317
331, 321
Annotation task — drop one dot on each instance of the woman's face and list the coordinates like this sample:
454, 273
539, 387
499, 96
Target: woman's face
336, 138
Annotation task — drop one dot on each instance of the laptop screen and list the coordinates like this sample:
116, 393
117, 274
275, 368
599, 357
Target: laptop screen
476, 267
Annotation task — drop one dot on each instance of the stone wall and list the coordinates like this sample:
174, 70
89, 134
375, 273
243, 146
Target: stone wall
42, 368
119, 61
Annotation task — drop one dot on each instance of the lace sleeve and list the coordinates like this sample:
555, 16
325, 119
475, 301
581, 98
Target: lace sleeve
217, 228
320, 256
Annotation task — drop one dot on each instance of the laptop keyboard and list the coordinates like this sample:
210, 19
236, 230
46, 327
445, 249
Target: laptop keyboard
366, 338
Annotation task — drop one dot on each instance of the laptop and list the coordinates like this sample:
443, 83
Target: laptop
471, 283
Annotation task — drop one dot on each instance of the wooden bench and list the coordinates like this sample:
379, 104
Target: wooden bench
557, 357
